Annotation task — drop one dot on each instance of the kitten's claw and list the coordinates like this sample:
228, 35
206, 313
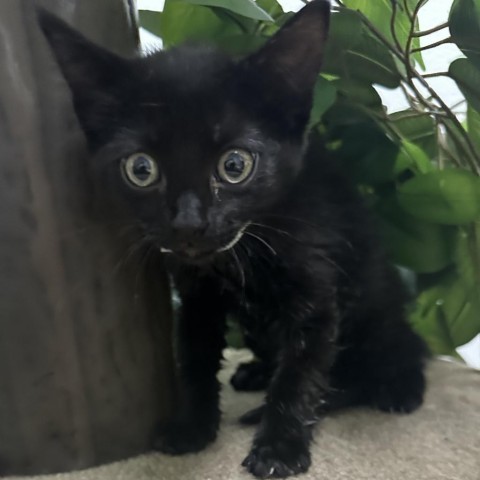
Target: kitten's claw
278, 459
178, 438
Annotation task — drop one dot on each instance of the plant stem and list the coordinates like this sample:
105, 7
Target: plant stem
435, 74
392, 26
471, 153
475, 248
458, 143
433, 45
407, 10
467, 146
431, 30
410, 38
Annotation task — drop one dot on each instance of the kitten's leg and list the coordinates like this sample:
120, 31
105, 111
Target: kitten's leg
256, 374
282, 444
384, 369
336, 399
200, 343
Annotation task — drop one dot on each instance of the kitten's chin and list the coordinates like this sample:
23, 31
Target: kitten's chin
194, 257
198, 257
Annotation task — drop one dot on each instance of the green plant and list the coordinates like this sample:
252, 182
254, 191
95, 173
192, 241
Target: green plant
418, 169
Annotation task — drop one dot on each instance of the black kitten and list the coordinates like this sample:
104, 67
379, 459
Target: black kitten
205, 157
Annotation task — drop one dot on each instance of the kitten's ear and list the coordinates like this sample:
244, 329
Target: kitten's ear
94, 75
287, 66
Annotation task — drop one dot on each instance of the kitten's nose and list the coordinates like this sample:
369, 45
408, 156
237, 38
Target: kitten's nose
189, 223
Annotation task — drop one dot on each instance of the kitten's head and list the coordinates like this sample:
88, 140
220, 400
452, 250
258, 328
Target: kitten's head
188, 144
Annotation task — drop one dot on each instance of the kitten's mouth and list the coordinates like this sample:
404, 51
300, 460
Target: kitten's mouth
192, 254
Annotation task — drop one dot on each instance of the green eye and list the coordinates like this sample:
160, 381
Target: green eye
235, 166
141, 170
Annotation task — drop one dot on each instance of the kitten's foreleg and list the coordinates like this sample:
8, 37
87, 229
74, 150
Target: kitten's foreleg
282, 444
200, 343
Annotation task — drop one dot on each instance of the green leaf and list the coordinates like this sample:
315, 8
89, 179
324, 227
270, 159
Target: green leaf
473, 125
150, 21
379, 12
370, 61
240, 44
467, 77
324, 97
344, 114
448, 314
345, 30
180, 22
467, 255
368, 69
417, 128
413, 158
461, 308
353, 54
272, 7
359, 93
351, 127
420, 246
429, 322
449, 197
247, 25
464, 23
246, 8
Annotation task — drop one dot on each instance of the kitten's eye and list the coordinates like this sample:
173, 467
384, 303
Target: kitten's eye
141, 170
235, 166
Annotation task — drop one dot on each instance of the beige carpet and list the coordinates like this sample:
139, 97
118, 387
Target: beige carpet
439, 442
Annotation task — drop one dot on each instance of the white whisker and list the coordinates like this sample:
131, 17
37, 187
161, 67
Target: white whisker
263, 241
235, 239
240, 269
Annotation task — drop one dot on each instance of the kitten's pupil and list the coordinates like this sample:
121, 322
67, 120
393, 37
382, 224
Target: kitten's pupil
234, 165
142, 169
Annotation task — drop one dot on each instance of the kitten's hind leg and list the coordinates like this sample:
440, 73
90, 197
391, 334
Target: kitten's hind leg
402, 393
385, 372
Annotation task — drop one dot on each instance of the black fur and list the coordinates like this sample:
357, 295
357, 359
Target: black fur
320, 306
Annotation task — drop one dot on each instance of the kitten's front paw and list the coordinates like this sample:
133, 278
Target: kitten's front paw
404, 394
252, 417
278, 458
179, 437
251, 377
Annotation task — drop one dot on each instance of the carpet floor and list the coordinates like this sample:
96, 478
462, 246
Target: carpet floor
441, 441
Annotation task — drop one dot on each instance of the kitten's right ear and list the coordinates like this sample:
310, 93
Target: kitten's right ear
94, 75
282, 73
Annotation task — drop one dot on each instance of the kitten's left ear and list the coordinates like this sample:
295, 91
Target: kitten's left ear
287, 66
94, 75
